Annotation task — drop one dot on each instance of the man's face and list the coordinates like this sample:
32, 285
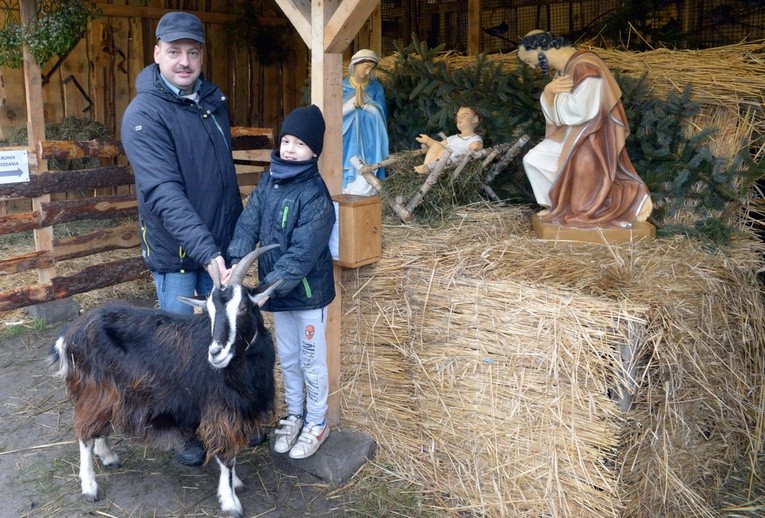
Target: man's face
180, 62
529, 57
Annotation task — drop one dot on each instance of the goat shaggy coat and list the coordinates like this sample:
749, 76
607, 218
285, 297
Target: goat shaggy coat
161, 384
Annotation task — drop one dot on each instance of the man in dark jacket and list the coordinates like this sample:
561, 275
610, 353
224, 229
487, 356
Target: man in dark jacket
177, 138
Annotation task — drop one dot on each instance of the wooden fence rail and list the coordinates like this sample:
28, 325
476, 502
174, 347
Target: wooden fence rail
252, 147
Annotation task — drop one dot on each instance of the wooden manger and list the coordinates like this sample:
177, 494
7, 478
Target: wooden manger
492, 161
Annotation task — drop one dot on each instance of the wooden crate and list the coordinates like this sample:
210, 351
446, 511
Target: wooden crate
359, 230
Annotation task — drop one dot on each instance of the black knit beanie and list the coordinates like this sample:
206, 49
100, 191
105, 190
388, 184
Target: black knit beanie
307, 124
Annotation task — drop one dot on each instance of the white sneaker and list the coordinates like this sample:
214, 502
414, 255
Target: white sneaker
287, 433
309, 441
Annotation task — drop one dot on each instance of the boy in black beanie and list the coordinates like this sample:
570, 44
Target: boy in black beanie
291, 207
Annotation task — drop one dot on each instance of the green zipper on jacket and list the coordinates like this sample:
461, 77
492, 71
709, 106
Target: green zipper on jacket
284, 215
307, 288
182, 255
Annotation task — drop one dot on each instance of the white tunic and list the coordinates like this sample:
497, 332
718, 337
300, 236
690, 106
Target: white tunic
541, 163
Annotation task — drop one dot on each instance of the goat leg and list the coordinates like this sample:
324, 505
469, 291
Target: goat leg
227, 485
87, 475
104, 452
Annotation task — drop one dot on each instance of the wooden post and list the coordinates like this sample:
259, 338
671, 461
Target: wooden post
36, 133
328, 27
474, 27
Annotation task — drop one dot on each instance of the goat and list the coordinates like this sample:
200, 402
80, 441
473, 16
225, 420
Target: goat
160, 376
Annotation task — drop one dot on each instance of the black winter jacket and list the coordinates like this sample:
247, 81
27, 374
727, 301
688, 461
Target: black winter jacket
291, 206
180, 153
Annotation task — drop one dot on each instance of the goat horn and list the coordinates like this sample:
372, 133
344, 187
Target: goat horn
193, 302
216, 274
240, 269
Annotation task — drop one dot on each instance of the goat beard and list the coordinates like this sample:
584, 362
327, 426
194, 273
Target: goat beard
223, 433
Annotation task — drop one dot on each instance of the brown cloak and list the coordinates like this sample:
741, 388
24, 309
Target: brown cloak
597, 185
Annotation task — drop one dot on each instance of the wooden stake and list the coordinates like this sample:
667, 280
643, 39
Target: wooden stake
430, 181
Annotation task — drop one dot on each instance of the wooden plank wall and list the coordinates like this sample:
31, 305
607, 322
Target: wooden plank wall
97, 79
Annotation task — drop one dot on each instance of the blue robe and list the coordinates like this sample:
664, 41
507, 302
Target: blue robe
365, 131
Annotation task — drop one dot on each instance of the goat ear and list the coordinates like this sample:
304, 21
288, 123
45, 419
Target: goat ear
193, 302
262, 298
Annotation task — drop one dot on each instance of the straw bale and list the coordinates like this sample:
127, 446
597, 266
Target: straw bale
486, 363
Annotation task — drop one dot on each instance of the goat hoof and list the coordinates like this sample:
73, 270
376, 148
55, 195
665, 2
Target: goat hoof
90, 497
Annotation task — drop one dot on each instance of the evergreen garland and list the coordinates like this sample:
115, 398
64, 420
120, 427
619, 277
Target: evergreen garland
424, 95
59, 26
694, 192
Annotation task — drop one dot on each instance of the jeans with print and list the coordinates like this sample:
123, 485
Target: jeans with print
174, 284
302, 346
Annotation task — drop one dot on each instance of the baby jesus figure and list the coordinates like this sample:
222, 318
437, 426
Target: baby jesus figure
461, 143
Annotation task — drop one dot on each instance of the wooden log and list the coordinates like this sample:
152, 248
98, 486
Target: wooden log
248, 142
25, 296
104, 240
244, 138
136, 11
90, 278
67, 149
99, 276
20, 222
25, 262
247, 131
67, 181
100, 207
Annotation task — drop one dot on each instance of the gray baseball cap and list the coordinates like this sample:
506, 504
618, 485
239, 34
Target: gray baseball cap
177, 25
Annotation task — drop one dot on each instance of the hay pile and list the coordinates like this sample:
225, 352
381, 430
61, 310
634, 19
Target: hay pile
487, 365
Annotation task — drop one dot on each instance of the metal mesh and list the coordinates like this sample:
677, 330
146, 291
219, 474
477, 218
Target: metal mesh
702, 24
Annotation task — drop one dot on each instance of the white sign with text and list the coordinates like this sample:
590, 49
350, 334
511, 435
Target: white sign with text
14, 166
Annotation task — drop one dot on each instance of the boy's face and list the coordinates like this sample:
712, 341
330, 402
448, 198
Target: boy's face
180, 62
292, 148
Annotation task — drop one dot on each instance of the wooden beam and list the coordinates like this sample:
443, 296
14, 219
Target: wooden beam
345, 23
299, 13
67, 149
99, 207
36, 133
90, 278
134, 11
104, 240
50, 182
25, 262
19, 222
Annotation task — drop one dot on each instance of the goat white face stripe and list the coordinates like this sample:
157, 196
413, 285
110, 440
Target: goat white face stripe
211, 312
232, 308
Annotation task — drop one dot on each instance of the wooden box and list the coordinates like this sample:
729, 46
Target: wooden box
359, 230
